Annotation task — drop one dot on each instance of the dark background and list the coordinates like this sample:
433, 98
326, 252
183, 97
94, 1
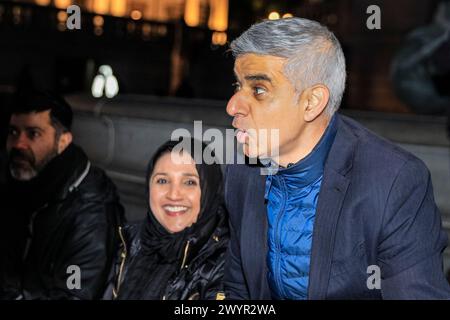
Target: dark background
35, 53
171, 59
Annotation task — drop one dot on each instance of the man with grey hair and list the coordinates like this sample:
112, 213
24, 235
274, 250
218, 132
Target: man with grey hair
347, 215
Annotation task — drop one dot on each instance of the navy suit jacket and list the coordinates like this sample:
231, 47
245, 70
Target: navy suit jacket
375, 208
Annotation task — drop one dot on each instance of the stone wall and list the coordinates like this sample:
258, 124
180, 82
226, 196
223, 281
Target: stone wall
120, 135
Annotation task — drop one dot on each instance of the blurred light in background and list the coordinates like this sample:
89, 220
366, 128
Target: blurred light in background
136, 15
111, 87
43, 2
118, 8
287, 15
62, 18
196, 13
98, 22
219, 38
17, 15
274, 15
192, 13
100, 6
162, 30
218, 18
163, 10
131, 27
62, 4
105, 83
146, 30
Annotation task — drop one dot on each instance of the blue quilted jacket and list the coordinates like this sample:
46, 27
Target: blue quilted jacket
291, 196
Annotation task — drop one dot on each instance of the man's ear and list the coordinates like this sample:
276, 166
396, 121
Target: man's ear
64, 140
317, 98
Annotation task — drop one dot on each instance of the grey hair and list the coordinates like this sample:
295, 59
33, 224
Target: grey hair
314, 55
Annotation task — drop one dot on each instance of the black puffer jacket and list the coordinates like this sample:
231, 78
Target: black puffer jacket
199, 269
76, 228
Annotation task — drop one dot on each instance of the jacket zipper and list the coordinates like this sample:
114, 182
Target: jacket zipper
123, 255
277, 272
186, 248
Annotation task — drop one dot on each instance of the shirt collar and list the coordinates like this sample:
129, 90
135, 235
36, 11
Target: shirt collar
310, 168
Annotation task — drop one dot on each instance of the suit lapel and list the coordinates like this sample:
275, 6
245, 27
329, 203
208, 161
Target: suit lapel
331, 198
254, 239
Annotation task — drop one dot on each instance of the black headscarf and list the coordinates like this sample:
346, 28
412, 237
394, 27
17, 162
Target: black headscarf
161, 251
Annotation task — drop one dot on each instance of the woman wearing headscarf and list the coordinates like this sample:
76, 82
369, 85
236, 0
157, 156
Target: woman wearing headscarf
178, 251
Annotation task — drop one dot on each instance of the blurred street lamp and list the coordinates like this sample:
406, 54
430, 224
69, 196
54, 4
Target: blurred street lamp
101, 6
62, 18
62, 4
105, 83
118, 8
146, 31
274, 15
131, 27
98, 22
218, 19
192, 13
43, 2
136, 15
219, 38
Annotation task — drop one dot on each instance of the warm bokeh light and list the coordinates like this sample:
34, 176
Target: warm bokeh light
98, 31
42, 2
274, 15
219, 38
162, 30
146, 30
157, 10
98, 21
62, 4
218, 18
131, 27
61, 16
136, 15
287, 15
118, 8
192, 13
101, 6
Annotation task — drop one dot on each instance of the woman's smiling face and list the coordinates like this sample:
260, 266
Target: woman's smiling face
175, 191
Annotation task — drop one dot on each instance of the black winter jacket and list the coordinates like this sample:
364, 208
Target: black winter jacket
199, 270
64, 249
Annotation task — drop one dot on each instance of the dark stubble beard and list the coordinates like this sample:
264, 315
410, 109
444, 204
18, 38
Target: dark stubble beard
30, 169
